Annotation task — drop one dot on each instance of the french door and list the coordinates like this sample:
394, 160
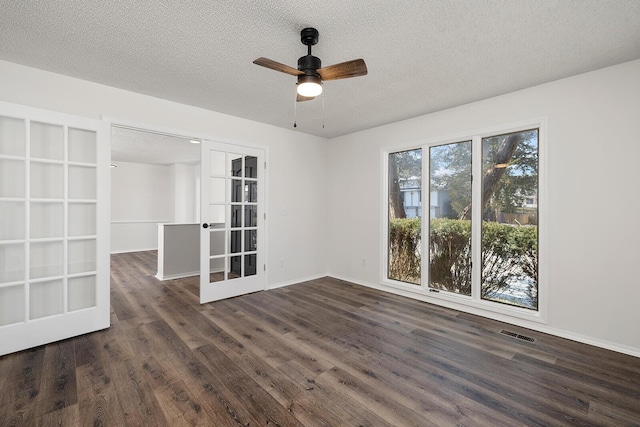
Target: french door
232, 248
54, 229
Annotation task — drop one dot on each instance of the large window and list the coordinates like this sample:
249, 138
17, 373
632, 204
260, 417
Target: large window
482, 198
449, 219
510, 218
405, 212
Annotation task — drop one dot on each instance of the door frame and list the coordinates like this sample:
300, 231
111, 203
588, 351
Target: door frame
182, 133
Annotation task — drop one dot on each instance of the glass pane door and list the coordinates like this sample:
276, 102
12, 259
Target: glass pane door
232, 221
53, 230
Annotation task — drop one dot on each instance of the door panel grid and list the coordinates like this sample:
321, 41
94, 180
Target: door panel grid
231, 211
52, 256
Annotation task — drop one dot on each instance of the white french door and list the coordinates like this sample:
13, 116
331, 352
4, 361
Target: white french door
232, 243
54, 229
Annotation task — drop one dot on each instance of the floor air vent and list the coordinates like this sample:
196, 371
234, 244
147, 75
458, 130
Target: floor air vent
518, 336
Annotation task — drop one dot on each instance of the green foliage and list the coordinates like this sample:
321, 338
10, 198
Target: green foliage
450, 166
450, 250
409, 163
510, 253
404, 250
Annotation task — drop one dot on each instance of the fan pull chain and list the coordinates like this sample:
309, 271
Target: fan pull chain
323, 110
295, 112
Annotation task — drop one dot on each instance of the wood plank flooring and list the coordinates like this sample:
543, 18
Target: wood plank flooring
319, 353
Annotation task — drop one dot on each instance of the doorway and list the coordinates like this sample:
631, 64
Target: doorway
160, 192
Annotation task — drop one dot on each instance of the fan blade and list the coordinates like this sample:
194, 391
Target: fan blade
269, 63
343, 70
300, 98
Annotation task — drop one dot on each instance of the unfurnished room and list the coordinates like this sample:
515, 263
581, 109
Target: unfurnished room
296, 213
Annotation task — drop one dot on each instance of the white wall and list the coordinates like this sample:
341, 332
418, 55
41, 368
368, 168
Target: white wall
142, 196
593, 149
186, 180
297, 162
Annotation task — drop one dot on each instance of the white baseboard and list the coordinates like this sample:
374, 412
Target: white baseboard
133, 250
177, 276
631, 351
293, 282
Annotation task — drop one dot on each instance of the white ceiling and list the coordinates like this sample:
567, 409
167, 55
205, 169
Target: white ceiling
422, 55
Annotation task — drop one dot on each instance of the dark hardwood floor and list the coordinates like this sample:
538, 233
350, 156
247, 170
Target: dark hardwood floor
319, 353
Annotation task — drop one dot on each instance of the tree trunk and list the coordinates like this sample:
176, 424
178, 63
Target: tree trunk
396, 205
492, 177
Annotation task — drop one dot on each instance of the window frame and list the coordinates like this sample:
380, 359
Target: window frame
474, 303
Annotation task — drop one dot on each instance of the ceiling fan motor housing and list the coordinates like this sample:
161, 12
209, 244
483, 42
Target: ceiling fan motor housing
309, 64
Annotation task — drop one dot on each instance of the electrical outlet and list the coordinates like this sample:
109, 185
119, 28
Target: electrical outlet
281, 262
364, 262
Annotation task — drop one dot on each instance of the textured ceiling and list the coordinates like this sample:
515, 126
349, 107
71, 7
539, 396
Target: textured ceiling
422, 55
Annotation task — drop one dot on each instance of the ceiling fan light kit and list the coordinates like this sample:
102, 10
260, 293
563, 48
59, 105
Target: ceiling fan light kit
310, 72
309, 86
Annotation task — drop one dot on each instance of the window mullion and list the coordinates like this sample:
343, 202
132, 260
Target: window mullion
476, 217
426, 217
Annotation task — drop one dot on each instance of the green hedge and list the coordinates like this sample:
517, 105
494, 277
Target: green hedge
404, 250
450, 249
510, 253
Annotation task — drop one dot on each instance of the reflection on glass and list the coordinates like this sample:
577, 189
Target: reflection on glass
510, 219
250, 216
405, 212
251, 192
236, 164
236, 216
235, 242
251, 167
236, 191
450, 217
235, 264
250, 239
250, 262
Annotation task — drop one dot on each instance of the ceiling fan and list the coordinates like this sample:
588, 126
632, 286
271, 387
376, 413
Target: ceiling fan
310, 72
